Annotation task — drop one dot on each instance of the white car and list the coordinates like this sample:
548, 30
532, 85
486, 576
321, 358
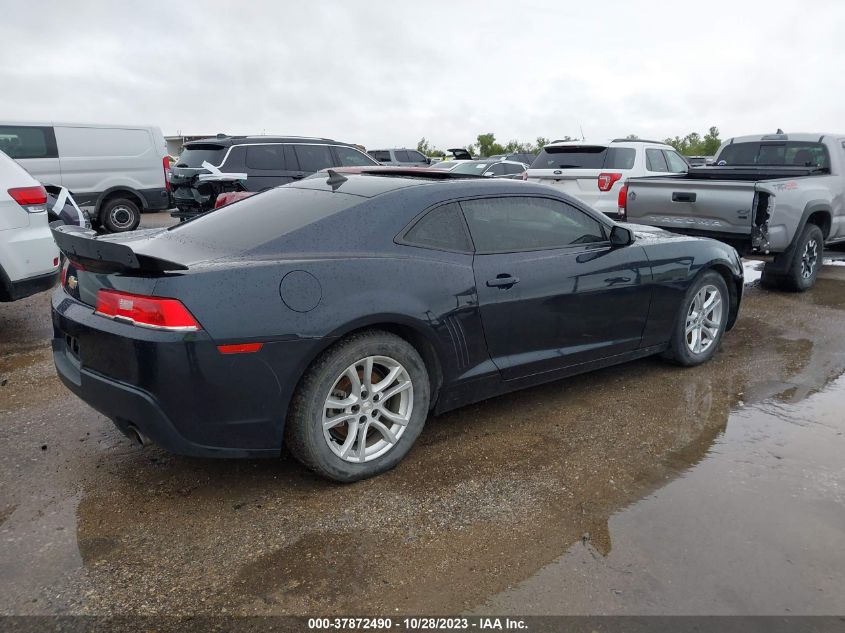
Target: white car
596, 172
29, 258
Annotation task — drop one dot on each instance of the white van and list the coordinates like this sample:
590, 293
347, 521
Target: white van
115, 172
29, 258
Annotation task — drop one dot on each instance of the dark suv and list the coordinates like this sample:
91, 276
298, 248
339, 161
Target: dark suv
251, 163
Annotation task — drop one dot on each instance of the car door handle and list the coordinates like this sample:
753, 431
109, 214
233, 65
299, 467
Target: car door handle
502, 281
682, 196
298, 176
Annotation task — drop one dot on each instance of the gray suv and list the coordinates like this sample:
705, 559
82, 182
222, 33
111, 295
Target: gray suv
400, 157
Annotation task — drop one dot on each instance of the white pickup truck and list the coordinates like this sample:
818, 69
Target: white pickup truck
776, 195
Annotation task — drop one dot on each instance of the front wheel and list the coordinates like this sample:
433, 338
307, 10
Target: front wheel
701, 322
359, 408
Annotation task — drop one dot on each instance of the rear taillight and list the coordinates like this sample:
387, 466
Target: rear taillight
607, 179
165, 163
622, 201
33, 199
153, 312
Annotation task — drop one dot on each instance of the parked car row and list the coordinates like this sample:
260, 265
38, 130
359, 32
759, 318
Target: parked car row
114, 172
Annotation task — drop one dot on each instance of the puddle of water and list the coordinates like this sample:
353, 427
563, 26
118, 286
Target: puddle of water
757, 527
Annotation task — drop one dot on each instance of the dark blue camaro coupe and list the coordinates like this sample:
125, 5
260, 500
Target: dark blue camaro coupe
334, 314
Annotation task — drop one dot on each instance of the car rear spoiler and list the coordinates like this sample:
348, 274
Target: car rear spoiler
81, 246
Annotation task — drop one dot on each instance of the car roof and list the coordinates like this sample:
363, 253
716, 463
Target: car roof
227, 141
622, 142
812, 137
369, 185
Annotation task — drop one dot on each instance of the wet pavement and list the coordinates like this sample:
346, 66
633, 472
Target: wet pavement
640, 489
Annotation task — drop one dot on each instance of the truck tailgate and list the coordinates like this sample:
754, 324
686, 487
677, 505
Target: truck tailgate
718, 207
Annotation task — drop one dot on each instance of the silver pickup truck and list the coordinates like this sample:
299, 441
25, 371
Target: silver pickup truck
778, 195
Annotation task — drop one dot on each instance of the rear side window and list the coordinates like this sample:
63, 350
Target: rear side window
380, 155
677, 165
269, 157
441, 229
655, 161
351, 157
314, 157
585, 157
514, 224
195, 154
776, 154
19, 141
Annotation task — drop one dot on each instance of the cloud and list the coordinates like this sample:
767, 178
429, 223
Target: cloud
385, 73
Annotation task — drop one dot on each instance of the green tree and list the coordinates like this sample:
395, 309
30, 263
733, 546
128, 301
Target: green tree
694, 145
424, 148
487, 145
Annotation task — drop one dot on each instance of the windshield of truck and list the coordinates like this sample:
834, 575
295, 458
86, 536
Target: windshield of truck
585, 157
775, 154
194, 155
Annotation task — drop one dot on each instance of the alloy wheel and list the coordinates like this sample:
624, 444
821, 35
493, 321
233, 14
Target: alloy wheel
809, 259
704, 319
368, 409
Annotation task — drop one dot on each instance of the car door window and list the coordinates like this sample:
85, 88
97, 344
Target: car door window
522, 223
19, 141
497, 169
402, 156
351, 157
415, 157
510, 169
442, 228
380, 155
265, 157
314, 157
655, 161
677, 165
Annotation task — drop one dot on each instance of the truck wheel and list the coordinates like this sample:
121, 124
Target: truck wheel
359, 408
119, 215
804, 265
701, 321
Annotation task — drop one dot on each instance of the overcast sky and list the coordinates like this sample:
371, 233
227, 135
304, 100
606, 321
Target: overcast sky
385, 73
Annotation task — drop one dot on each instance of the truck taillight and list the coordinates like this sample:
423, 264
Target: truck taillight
160, 313
622, 201
607, 179
165, 163
32, 199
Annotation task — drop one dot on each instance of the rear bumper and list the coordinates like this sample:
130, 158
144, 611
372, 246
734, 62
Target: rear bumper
14, 290
175, 387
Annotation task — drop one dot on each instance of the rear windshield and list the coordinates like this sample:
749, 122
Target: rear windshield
195, 155
585, 157
775, 153
262, 218
471, 168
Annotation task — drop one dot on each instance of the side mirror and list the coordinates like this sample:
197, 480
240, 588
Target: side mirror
428, 161
620, 236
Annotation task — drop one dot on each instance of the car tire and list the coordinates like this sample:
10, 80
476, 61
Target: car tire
803, 268
119, 215
694, 341
336, 451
